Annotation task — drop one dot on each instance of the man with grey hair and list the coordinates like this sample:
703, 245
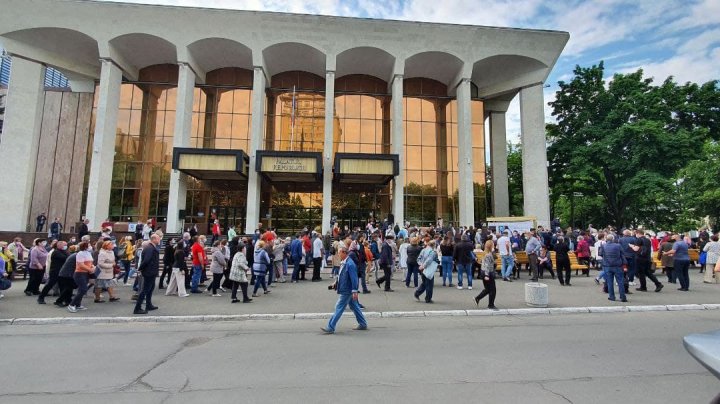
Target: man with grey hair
532, 248
346, 285
613, 263
463, 256
148, 268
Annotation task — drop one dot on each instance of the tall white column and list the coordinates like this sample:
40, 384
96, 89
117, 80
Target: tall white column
466, 200
19, 142
181, 138
398, 147
103, 147
536, 201
327, 158
256, 137
498, 161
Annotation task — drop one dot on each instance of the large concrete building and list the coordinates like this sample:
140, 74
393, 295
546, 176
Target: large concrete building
186, 115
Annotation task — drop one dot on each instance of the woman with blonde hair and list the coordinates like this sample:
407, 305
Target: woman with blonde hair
487, 270
127, 256
106, 276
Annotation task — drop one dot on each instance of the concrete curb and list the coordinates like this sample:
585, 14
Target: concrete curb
372, 314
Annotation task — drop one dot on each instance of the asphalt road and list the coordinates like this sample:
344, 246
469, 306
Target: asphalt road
308, 297
583, 358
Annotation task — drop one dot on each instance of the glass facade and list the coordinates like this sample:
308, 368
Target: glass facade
295, 121
143, 145
220, 120
431, 153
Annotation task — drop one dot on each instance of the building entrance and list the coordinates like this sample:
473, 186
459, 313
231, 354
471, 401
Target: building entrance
227, 216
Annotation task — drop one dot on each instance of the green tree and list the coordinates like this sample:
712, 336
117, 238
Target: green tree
700, 182
625, 140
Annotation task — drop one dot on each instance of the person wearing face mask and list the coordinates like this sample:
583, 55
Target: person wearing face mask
36, 267
58, 256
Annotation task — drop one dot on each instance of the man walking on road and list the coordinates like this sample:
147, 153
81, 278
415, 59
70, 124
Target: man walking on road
149, 268
347, 288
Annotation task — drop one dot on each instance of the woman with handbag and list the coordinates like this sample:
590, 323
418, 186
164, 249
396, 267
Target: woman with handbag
105, 279
488, 276
712, 251
36, 266
238, 275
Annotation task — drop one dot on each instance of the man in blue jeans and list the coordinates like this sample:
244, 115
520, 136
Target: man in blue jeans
464, 257
506, 256
347, 289
613, 261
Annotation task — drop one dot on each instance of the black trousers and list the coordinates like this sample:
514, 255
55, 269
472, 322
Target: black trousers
669, 271
563, 266
489, 290
215, 285
227, 283
167, 271
36, 276
243, 286
317, 264
303, 268
644, 271
52, 280
387, 276
146, 292
546, 266
66, 290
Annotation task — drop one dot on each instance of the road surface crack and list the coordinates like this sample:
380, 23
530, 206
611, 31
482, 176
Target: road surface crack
542, 386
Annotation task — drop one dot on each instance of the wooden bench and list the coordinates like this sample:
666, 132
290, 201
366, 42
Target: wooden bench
577, 266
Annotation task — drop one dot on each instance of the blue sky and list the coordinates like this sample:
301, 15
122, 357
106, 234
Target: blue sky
663, 37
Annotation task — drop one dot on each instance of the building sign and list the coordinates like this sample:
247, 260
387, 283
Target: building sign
520, 224
288, 164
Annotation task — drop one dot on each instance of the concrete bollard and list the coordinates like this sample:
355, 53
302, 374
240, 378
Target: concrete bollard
536, 294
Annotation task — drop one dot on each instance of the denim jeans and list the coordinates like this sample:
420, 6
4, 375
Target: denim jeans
412, 270
507, 265
615, 274
426, 287
81, 280
681, 273
196, 271
296, 270
632, 268
127, 266
343, 301
447, 267
464, 269
259, 281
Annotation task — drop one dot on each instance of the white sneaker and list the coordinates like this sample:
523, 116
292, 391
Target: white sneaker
459, 287
81, 308
217, 295
185, 295
1, 295
223, 290
72, 309
469, 287
632, 283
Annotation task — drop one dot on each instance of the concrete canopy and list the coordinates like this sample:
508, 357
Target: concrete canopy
441, 66
62, 48
139, 50
216, 53
495, 74
290, 56
365, 60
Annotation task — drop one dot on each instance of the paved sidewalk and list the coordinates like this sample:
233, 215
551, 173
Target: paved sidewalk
309, 297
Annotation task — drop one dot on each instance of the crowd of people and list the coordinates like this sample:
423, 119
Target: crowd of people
252, 264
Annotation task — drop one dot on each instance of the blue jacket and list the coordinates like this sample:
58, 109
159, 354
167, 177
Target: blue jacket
347, 282
612, 255
296, 250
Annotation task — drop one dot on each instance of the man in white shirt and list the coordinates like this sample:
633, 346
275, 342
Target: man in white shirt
506, 256
317, 254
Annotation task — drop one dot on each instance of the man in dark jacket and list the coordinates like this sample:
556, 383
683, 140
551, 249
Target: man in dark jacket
149, 268
386, 262
168, 260
464, 257
643, 262
613, 262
